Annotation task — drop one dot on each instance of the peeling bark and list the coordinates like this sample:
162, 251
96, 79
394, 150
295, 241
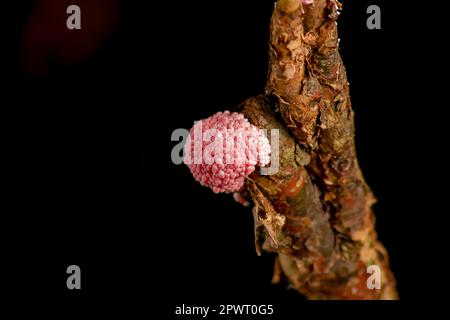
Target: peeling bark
316, 211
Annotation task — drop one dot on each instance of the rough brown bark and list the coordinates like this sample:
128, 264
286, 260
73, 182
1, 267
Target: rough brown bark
316, 211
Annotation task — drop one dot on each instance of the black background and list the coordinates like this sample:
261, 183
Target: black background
92, 182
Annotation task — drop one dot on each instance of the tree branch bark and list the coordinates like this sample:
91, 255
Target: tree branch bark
316, 211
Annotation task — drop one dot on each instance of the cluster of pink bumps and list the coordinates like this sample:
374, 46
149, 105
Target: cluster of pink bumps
230, 149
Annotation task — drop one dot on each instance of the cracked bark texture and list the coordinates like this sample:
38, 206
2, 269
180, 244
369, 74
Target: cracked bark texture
316, 211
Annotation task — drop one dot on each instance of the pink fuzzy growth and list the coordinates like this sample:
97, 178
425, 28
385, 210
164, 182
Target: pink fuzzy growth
222, 150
